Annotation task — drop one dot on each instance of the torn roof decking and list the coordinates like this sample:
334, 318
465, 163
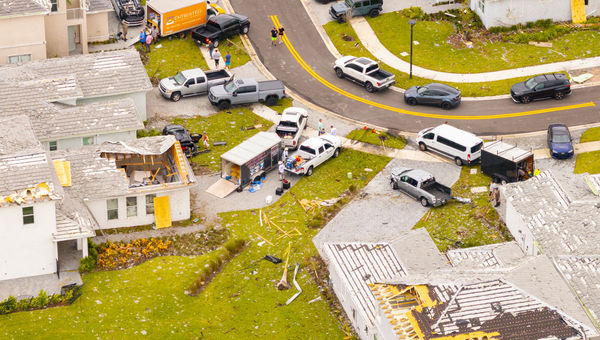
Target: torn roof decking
96, 6
14, 8
487, 256
156, 145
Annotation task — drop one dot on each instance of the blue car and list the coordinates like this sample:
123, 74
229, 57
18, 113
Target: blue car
560, 141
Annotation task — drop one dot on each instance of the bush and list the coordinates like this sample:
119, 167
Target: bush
147, 133
23, 304
88, 263
414, 13
9, 305
40, 301
235, 245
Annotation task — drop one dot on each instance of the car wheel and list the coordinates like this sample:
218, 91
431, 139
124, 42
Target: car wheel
411, 101
446, 106
224, 105
339, 73
525, 99
239, 189
373, 13
370, 87
458, 161
309, 171
558, 95
341, 19
422, 147
271, 100
245, 29
336, 153
393, 184
216, 43
176, 96
424, 201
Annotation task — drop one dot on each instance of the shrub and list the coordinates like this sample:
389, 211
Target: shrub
9, 305
23, 304
413, 13
147, 133
235, 245
40, 301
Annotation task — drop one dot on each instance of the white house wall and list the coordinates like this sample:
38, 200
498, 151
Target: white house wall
521, 233
139, 99
76, 142
179, 200
512, 12
27, 250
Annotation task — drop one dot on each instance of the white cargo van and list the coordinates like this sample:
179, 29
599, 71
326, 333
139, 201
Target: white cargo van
462, 146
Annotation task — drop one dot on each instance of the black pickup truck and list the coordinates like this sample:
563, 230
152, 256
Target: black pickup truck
130, 11
221, 27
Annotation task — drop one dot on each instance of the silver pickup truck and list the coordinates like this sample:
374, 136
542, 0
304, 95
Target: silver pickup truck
421, 185
312, 153
246, 91
292, 123
364, 71
191, 83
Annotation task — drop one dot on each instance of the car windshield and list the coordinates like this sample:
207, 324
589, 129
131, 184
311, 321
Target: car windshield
230, 86
179, 78
421, 90
531, 83
561, 138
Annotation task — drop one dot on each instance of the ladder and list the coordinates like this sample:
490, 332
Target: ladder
180, 161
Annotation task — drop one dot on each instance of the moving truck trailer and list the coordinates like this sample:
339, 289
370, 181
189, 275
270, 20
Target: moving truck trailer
176, 16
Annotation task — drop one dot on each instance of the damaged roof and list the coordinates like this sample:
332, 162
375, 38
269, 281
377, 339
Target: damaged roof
96, 6
156, 145
90, 119
10, 8
488, 256
23, 162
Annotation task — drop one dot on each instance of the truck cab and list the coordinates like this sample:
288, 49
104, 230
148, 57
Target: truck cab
353, 8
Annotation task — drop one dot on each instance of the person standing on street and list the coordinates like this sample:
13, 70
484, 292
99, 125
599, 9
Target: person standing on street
228, 61
148, 42
285, 155
211, 47
273, 36
142, 39
333, 131
280, 34
281, 170
216, 57
124, 29
320, 127
155, 34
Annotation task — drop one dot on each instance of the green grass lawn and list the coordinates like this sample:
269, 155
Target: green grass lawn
590, 135
241, 302
473, 224
234, 46
367, 136
174, 56
336, 31
588, 162
433, 52
223, 126
282, 104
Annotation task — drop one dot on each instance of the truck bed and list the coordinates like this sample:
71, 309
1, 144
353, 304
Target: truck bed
270, 85
380, 74
438, 190
216, 74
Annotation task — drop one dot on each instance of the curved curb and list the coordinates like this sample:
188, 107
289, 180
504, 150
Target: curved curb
261, 67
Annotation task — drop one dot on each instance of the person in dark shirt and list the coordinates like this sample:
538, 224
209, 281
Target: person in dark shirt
280, 34
274, 36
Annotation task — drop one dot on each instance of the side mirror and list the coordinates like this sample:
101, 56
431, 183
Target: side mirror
234, 94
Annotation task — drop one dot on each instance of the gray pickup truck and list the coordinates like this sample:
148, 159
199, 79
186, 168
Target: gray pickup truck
421, 185
191, 83
246, 91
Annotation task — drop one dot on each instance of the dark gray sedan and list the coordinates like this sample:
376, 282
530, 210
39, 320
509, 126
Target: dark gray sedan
445, 96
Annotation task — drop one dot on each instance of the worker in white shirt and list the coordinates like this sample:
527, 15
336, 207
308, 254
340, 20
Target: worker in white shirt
285, 155
333, 131
281, 170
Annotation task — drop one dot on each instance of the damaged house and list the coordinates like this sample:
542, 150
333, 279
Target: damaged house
80, 100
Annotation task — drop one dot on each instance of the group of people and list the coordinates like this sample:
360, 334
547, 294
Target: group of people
215, 55
148, 35
277, 35
321, 129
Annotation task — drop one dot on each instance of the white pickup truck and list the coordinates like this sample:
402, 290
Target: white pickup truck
311, 153
292, 123
365, 72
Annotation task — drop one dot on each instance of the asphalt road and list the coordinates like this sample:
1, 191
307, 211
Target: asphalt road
306, 41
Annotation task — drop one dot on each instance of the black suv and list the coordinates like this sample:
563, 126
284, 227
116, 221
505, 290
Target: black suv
555, 85
183, 136
220, 27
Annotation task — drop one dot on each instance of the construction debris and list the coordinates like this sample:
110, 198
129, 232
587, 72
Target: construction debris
318, 298
312, 204
264, 238
295, 285
283, 283
273, 259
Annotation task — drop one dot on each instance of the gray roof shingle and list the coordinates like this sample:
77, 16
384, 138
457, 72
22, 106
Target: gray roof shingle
21, 7
94, 6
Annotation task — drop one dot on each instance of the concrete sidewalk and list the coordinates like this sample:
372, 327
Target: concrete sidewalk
369, 39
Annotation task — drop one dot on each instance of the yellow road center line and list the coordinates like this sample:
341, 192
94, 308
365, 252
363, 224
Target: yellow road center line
308, 69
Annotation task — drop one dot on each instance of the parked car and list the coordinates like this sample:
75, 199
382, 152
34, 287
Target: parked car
364, 71
188, 146
461, 146
191, 83
246, 91
325, 1
312, 153
554, 85
560, 142
340, 11
130, 11
221, 27
292, 123
441, 95
421, 185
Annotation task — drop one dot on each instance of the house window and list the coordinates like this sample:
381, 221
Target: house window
131, 206
112, 209
482, 6
54, 5
16, 59
28, 215
150, 204
53, 145
88, 140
